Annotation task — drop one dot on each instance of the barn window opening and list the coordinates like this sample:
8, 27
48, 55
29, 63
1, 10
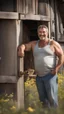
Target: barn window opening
30, 30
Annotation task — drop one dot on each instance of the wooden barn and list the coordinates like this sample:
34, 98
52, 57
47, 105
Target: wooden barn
19, 20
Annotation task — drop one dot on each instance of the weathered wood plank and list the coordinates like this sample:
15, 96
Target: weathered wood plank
8, 5
20, 81
42, 8
17, 6
8, 79
8, 88
36, 9
52, 20
30, 6
8, 53
26, 6
48, 8
34, 6
49, 29
34, 17
61, 40
8, 15
21, 4
56, 22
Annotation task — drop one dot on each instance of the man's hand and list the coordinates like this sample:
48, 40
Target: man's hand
21, 51
54, 72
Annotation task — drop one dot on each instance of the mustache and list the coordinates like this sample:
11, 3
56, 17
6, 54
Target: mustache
42, 36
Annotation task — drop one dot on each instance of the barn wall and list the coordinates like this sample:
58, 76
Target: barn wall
14, 31
8, 5
8, 46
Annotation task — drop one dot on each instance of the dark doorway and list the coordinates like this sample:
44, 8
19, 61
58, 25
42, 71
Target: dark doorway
30, 34
30, 28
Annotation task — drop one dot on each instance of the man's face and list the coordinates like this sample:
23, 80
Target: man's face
42, 33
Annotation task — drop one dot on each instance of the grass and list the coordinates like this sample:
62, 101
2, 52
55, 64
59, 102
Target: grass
32, 103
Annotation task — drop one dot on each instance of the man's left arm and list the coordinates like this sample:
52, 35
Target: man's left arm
59, 54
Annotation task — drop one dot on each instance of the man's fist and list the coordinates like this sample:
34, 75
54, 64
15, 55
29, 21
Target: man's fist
21, 51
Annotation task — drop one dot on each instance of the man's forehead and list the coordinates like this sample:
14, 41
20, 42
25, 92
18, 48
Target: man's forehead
42, 29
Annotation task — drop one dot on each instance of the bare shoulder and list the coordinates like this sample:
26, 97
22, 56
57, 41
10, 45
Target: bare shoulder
30, 45
58, 48
55, 43
34, 42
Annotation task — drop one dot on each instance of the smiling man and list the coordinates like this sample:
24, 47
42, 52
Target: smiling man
45, 52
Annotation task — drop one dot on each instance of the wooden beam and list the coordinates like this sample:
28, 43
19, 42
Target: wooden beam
34, 17
20, 81
8, 15
8, 79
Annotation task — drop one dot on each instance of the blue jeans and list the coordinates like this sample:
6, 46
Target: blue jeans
47, 87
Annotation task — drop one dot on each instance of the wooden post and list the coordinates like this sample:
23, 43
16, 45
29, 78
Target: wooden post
20, 81
52, 19
56, 19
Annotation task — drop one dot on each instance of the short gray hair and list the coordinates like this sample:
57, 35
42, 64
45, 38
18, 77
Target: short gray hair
42, 26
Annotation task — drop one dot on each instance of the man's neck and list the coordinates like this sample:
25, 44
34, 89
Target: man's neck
43, 43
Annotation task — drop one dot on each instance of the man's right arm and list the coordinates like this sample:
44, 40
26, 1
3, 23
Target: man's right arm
24, 47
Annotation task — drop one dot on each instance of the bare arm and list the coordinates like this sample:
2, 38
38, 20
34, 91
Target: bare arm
24, 47
59, 54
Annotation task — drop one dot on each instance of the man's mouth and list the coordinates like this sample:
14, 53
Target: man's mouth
42, 37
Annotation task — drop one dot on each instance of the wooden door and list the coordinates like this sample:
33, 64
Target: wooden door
7, 48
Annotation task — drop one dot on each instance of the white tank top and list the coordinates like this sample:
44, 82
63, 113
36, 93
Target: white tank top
44, 59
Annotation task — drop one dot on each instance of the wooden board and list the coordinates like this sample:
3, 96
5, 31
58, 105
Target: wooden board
43, 7
8, 15
8, 5
21, 6
34, 17
20, 81
9, 89
8, 79
8, 53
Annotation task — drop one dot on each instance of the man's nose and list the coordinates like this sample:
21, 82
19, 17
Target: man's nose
42, 33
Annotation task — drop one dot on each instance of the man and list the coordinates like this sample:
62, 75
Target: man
45, 51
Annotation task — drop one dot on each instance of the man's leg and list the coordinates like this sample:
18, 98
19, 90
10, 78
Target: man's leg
41, 90
51, 85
